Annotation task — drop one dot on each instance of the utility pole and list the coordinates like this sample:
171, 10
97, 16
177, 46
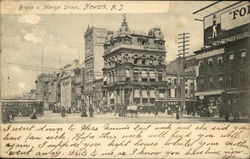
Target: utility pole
42, 59
183, 43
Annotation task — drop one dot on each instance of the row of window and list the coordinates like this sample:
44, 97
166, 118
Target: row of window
136, 75
89, 75
135, 59
232, 81
210, 61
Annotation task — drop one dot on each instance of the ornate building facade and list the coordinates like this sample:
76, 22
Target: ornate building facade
134, 68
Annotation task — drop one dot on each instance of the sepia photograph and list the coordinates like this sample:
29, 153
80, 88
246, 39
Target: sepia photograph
187, 65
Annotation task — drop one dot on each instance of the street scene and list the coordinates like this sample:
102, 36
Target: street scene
184, 67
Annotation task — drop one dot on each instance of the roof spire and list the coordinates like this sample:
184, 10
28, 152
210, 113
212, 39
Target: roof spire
124, 17
124, 27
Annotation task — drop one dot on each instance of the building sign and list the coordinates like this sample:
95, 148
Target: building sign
226, 22
232, 38
235, 17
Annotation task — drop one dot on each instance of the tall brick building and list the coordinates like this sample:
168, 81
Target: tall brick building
223, 82
94, 40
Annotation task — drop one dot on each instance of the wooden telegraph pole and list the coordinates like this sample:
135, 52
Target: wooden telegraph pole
183, 43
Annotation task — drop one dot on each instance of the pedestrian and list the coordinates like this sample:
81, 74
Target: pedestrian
83, 112
177, 112
91, 111
33, 116
63, 112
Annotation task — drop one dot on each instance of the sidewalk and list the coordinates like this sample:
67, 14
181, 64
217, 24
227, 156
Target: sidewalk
50, 117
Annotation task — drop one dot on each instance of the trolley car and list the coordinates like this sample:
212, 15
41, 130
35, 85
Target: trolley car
21, 107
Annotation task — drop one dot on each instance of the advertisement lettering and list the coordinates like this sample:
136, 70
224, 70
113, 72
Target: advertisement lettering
235, 17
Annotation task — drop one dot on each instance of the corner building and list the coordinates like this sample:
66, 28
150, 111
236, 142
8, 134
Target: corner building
134, 68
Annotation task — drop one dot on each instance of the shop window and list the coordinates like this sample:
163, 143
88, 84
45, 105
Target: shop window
137, 100
144, 100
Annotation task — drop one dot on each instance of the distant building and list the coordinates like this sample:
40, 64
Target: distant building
94, 40
223, 82
42, 87
70, 84
175, 73
54, 91
134, 68
98, 95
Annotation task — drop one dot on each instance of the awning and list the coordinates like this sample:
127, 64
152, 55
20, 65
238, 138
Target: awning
144, 74
217, 92
161, 95
136, 93
128, 73
152, 74
152, 94
112, 96
144, 94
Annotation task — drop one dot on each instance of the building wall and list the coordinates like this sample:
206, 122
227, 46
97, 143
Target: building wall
66, 91
42, 87
94, 40
211, 70
134, 68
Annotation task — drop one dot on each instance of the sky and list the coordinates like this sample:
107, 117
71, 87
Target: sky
61, 39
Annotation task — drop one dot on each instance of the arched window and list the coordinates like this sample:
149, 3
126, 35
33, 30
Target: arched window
126, 57
160, 75
135, 59
128, 74
143, 60
220, 60
160, 60
151, 60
